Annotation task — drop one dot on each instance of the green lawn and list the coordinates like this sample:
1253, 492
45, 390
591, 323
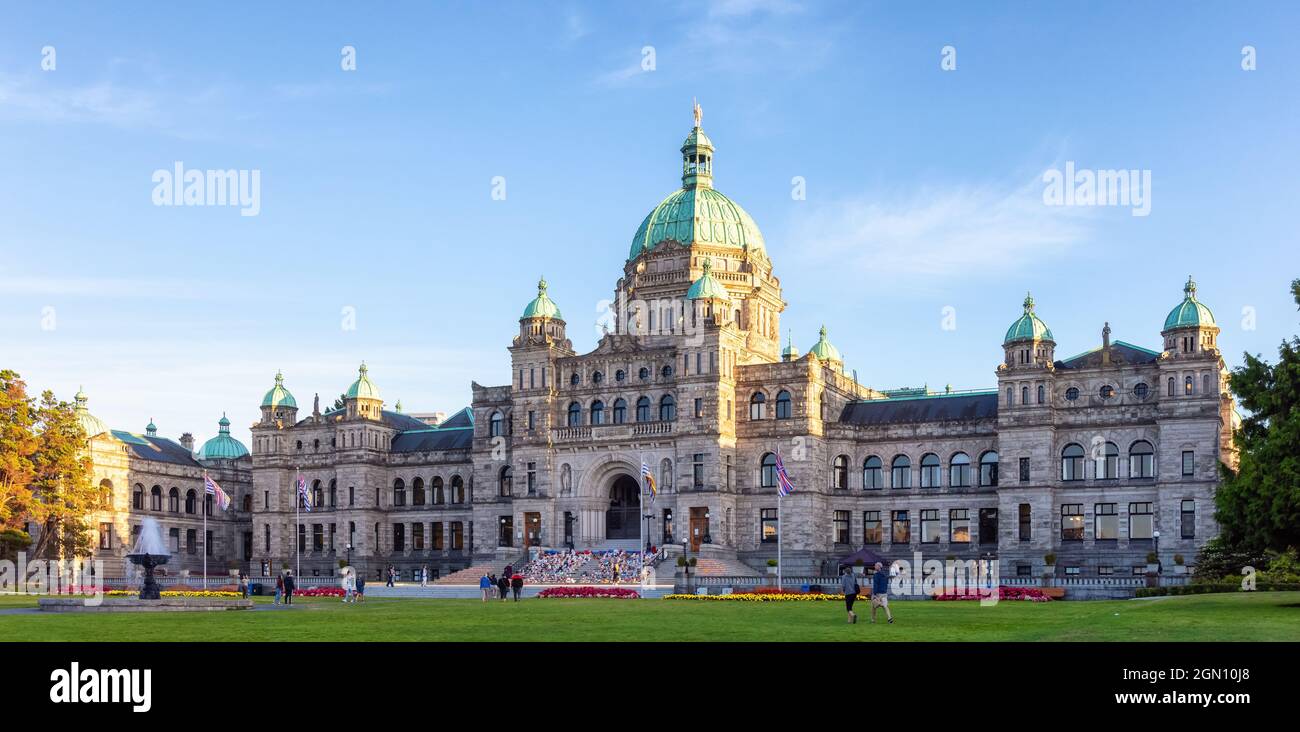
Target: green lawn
1227, 617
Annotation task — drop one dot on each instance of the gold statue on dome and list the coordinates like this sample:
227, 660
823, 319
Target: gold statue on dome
699, 113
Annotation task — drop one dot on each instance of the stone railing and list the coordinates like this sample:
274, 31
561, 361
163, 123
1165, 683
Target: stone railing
610, 431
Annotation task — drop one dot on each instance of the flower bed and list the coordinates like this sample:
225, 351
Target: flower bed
177, 593
320, 592
621, 593
1033, 594
760, 597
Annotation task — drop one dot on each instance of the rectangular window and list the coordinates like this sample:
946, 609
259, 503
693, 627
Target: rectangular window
435, 538
352, 495
317, 537
988, 526
532, 420
191, 541
532, 378
1189, 462
872, 531
1138, 570
266, 500
959, 525
1072, 522
697, 470
1105, 522
767, 520
417, 536
532, 479
506, 531
399, 537
840, 534
1105, 570
930, 526
457, 536
1026, 532
207, 544
901, 531
699, 408
1024, 570
1072, 570
1024, 470
332, 528
1188, 519
1141, 524
266, 539
105, 536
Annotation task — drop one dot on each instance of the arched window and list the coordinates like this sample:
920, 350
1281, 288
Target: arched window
989, 468
840, 473
439, 497
1171, 386
137, 497
667, 408
575, 379
665, 475
106, 493
207, 504
619, 375
1042, 394
248, 502
873, 476
496, 425
155, 498
1108, 461
643, 373
457, 489
598, 412
575, 414
783, 404
1024, 395
417, 492
1141, 460
666, 372
620, 411
1072, 462
756, 403
959, 471
399, 492
643, 409
174, 500
1188, 385
317, 495
334, 493
191, 502
1010, 398
900, 472
767, 471
597, 377
505, 482
930, 470
1207, 386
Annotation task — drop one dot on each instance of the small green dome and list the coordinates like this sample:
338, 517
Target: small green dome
151, 429
1190, 313
542, 306
790, 353
1028, 327
702, 215
707, 286
90, 423
823, 349
223, 446
279, 396
363, 387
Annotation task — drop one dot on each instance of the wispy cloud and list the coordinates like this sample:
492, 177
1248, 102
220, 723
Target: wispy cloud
746, 8
103, 101
918, 238
105, 287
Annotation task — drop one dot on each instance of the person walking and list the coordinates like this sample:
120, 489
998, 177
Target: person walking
289, 585
880, 593
849, 584
349, 585
424, 576
485, 586
243, 586
517, 584
503, 586
392, 576
279, 588
361, 588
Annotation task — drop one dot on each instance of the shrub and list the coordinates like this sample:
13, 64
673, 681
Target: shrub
771, 562
694, 561
1152, 558
683, 562
1178, 559
1049, 559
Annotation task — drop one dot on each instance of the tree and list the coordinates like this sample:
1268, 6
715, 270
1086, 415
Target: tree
1259, 502
340, 402
44, 470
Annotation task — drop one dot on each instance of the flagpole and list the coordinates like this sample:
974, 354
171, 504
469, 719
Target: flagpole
205, 529
297, 516
640, 520
780, 533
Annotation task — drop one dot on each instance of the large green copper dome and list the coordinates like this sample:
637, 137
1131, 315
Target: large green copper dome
363, 387
279, 396
707, 286
823, 349
223, 446
542, 306
1028, 327
90, 423
697, 212
1190, 313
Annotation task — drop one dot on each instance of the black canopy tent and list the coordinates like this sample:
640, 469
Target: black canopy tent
868, 558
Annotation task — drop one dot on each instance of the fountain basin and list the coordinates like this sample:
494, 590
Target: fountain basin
136, 605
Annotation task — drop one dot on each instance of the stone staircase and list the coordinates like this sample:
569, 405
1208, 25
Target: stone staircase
469, 575
723, 567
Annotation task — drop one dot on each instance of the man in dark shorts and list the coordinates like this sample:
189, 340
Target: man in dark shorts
849, 584
880, 592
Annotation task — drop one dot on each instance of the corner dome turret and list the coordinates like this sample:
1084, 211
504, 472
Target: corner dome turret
363, 387
279, 396
1190, 313
223, 446
707, 287
542, 306
824, 351
1028, 327
90, 423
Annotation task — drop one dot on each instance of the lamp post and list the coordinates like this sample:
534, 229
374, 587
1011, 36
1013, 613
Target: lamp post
1155, 535
349, 548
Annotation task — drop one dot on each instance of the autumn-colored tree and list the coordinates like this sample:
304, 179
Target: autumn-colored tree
44, 470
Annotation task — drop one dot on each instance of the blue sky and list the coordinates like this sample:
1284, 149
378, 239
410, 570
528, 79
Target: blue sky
923, 185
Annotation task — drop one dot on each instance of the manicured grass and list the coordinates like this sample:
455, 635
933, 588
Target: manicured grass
1228, 617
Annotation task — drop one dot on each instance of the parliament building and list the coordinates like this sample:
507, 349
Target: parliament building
1098, 458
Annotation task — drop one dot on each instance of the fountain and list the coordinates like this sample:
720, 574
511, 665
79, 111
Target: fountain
149, 553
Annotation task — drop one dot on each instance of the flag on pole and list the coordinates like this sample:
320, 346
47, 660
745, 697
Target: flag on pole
648, 478
783, 484
210, 486
302, 493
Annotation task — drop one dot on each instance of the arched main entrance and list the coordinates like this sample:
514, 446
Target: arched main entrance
624, 509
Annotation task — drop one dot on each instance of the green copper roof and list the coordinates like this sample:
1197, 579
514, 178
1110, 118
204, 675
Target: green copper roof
90, 423
542, 306
707, 286
279, 396
363, 387
823, 349
1190, 312
1028, 327
223, 446
790, 352
151, 429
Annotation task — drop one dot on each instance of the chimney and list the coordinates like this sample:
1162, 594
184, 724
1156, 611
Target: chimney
188, 441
